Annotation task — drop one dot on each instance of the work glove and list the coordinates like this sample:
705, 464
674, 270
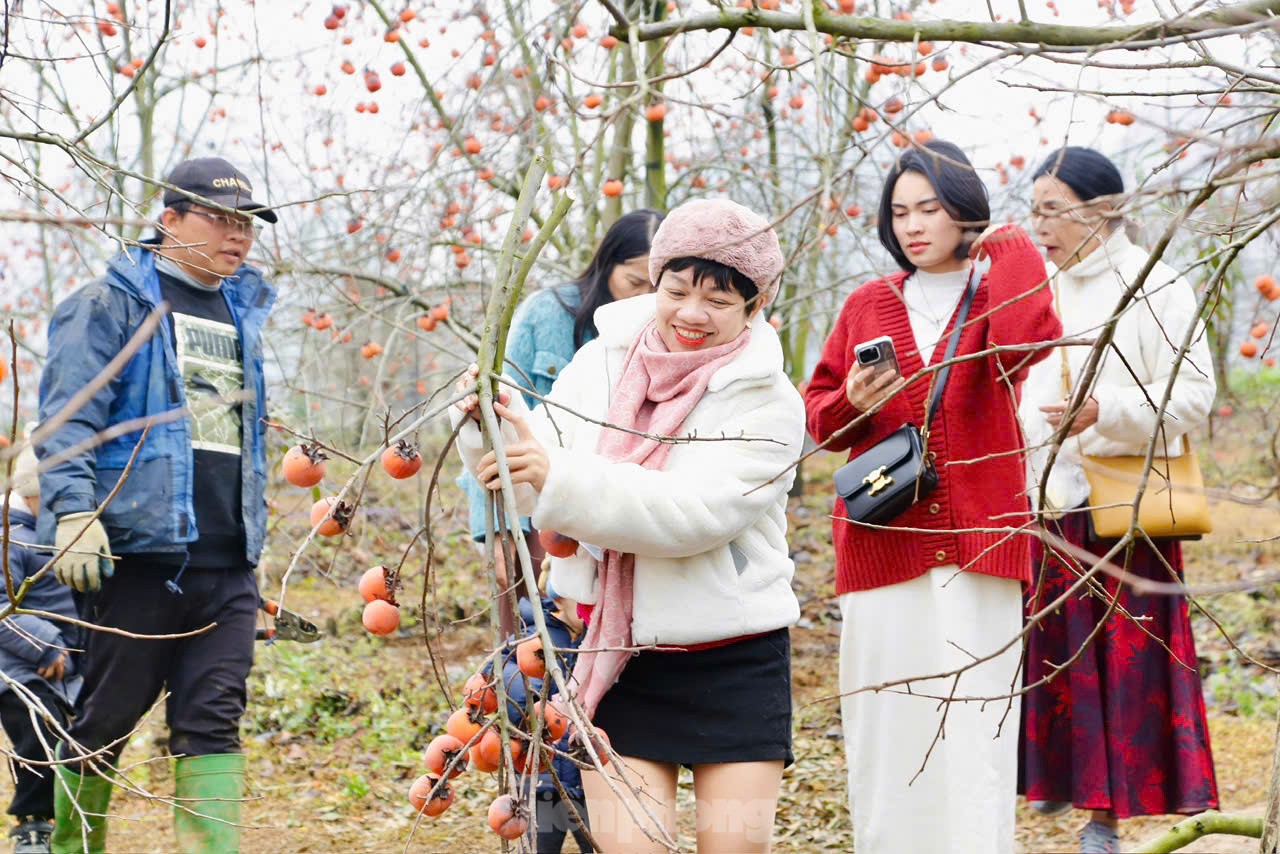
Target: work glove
87, 561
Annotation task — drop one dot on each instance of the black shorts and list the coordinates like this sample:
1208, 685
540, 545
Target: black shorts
725, 704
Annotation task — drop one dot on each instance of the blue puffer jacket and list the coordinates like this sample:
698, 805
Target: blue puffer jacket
570, 776
28, 642
153, 511
540, 344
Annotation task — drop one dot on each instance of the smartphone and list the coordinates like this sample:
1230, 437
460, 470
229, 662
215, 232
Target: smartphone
877, 353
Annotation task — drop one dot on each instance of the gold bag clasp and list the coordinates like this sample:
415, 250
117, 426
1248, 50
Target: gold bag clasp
878, 480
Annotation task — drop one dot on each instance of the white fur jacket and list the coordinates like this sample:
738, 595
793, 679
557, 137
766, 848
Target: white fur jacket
709, 531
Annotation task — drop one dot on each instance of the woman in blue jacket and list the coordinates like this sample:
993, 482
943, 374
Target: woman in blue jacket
553, 324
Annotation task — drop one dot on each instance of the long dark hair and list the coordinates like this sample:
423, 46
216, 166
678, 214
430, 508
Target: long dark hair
629, 237
959, 189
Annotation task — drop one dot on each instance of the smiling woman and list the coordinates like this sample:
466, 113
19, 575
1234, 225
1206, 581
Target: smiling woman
703, 304
683, 544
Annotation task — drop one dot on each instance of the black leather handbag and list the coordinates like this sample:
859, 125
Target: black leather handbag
883, 481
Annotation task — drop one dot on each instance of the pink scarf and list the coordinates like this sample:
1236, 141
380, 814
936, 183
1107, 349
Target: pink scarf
655, 394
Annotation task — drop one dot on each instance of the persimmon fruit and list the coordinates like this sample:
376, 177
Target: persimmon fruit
380, 617
508, 817
443, 751
303, 465
557, 544
478, 693
487, 753
530, 658
401, 460
330, 516
373, 584
1267, 286
555, 721
464, 723
422, 801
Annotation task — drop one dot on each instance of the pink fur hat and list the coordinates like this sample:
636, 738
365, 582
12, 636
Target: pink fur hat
723, 231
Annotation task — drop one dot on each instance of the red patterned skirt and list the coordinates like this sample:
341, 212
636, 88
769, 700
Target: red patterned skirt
1123, 728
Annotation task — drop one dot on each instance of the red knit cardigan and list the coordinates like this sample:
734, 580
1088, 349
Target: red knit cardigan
975, 436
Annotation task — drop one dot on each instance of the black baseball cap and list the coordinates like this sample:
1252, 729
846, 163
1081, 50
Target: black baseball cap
218, 181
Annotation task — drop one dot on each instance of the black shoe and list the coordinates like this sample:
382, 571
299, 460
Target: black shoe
32, 836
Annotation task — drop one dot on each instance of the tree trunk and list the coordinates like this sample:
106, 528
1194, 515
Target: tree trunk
655, 163
619, 164
1271, 824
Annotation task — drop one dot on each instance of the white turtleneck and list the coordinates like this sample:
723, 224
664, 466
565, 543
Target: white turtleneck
931, 299
1148, 334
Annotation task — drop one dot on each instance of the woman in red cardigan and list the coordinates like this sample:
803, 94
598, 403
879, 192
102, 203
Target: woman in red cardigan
941, 587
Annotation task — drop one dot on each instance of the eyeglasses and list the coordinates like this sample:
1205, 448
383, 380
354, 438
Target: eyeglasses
244, 225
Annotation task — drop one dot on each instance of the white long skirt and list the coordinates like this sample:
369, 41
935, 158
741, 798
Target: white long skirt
964, 798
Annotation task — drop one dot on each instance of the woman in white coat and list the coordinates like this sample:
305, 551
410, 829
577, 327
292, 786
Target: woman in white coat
683, 552
1122, 731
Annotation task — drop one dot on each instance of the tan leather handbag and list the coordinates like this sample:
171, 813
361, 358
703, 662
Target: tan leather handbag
1174, 504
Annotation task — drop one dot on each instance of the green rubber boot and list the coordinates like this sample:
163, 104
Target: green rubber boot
91, 794
207, 791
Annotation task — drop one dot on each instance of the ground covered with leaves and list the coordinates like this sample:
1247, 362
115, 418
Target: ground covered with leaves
335, 730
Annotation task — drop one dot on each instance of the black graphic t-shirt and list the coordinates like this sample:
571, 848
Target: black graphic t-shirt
209, 359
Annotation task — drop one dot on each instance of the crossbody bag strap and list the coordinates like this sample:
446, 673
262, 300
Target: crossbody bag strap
975, 276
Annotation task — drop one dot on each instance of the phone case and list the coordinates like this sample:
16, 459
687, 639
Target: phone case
890, 362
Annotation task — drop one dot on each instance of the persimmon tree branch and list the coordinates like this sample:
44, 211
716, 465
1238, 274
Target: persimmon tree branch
1132, 37
1189, 830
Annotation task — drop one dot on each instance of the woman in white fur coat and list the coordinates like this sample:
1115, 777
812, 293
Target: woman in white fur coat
682, 552
1122, 731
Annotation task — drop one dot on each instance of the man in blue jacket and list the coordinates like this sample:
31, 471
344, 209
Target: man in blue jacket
38, 666
152, 495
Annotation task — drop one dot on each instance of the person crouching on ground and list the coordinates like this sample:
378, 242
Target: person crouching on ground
38, 658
